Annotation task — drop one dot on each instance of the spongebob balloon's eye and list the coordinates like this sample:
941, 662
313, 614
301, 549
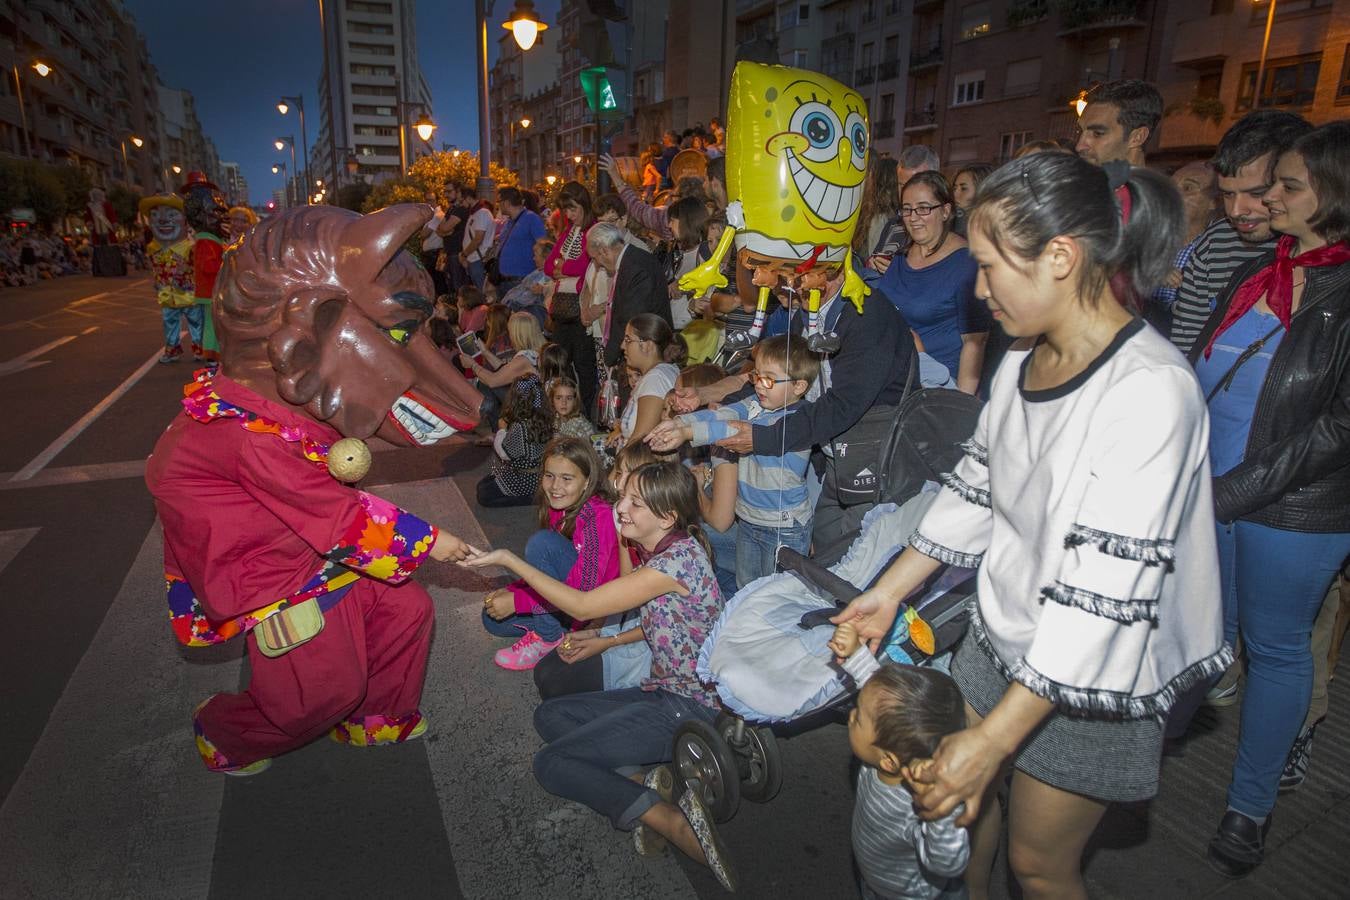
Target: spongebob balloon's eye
857, 138
818, 130
821, 128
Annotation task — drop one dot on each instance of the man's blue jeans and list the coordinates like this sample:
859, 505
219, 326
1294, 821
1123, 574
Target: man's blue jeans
554, 555
589, 736
1273, 583
477, 273
757, 548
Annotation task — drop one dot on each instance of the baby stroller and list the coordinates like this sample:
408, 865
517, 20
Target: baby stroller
767, 655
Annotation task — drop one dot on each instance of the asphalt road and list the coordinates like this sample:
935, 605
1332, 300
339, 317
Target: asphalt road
102, 793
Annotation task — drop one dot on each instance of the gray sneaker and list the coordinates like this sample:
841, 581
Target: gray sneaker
1296, 766
1225, 690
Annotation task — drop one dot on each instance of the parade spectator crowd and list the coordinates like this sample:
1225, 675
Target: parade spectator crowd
1201, 319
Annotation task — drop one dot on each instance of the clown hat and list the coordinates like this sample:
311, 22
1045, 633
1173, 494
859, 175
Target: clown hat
162, 199
196, 179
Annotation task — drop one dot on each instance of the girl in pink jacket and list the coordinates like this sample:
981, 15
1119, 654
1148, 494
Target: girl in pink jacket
577, 543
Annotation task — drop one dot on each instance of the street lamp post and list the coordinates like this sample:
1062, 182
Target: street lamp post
515, 160
289, 141
280, 169
126, 166
525, 26
424, 127
1261, 66
283, 106
42, 69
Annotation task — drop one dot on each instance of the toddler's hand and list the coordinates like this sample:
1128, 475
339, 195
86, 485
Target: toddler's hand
845, 641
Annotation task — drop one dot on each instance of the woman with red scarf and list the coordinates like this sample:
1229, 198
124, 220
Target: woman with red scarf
1274, 362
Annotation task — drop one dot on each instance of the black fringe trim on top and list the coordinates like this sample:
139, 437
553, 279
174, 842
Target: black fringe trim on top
1149, 551
972, 448
1092, 703
945, 554
1124, 611
966, 491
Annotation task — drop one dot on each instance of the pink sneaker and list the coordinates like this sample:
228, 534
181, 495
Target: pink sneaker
524, 653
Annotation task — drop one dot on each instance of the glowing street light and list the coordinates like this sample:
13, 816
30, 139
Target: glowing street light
551, 179
283, 107
276, 169
42, 68
178, 170
318, 182
139, 142
524, 24
279, 144
424, 127
1080, 102
577, 159
524, 123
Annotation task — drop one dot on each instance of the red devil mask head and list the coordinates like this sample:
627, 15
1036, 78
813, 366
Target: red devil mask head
321, 308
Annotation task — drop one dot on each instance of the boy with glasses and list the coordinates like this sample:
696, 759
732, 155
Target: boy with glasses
773, 504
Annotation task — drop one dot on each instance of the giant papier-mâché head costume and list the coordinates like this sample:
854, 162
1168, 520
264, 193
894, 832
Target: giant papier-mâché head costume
322, 309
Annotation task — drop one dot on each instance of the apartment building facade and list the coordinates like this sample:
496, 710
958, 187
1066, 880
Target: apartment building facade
371, 90
97, 106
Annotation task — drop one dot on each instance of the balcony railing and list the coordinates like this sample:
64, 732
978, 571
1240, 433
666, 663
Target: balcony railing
922, 59
888, 70
1077, 15
866, 75
883, 129
920, 119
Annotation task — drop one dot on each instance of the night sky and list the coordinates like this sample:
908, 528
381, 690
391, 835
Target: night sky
238, 58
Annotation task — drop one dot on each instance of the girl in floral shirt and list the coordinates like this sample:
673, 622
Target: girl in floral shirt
589, 736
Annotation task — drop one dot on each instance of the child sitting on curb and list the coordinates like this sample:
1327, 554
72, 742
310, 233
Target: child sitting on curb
577, 543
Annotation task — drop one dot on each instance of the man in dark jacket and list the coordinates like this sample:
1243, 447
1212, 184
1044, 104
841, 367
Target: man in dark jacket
638, 286
858, 388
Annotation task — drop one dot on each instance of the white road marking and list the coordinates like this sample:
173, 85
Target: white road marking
40, 461
20, 363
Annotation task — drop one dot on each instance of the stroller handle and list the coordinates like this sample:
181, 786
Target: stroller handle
818, 578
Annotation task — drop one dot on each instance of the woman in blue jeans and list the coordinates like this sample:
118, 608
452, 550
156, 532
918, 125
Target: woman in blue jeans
1274, 361
590, 736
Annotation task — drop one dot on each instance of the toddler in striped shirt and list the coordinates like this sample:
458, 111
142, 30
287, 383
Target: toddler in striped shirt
901, 714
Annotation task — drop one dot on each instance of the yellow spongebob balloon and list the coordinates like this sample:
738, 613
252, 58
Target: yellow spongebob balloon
797, 151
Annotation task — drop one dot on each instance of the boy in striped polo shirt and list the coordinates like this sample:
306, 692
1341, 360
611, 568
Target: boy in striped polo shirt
773, 504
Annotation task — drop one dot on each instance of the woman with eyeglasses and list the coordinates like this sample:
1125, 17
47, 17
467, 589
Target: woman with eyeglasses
933, 283
1274, 361
653, 350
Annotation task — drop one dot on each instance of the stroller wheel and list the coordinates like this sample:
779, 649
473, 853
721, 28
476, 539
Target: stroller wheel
759, 762
703, 763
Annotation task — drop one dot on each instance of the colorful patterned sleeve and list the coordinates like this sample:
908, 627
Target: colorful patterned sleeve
383, 541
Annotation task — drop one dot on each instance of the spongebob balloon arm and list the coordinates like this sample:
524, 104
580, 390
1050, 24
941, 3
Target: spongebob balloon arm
855, 289
708, 275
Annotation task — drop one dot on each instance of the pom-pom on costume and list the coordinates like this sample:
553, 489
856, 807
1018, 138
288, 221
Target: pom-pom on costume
171, 261
318, 342
796, 164
205, 208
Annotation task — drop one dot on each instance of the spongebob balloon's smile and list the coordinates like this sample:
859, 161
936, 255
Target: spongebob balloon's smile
826, 158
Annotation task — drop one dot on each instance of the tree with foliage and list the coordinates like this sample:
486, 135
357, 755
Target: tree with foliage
352, 196
75, 185
431, 173
125, 203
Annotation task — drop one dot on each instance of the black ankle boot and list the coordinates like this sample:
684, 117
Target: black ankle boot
1239, 845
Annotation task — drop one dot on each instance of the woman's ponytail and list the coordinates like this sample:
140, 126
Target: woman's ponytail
1152, 233
676, 352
